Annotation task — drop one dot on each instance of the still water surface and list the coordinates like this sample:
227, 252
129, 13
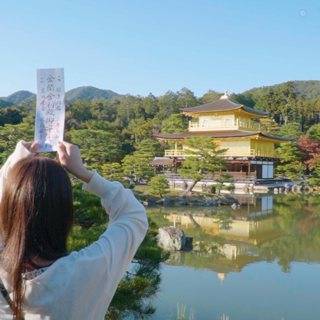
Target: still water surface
257, 262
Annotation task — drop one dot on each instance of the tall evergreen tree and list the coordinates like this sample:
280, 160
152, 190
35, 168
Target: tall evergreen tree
175, 123
201, 156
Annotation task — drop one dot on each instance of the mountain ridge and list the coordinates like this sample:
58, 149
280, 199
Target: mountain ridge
80, 93
309, 89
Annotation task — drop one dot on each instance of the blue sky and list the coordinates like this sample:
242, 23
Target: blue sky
142, 46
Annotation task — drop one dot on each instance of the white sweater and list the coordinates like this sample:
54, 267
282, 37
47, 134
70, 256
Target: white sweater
81, 285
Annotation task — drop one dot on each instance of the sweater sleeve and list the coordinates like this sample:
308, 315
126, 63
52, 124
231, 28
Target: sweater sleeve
127, 228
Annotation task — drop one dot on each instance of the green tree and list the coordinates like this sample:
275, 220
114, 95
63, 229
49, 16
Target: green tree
131, 168
175, 123
98, 125
210, 96
141, 129
281, 102
159, 185
97, 146
223, 177
244, 98
167, 105
291, 130
291, 161
150, 105
314, 133
10, 135
201, 156
269, 126
136, 166
112, 171
186, 98
149, 148
10, 115
81, 110
130, 107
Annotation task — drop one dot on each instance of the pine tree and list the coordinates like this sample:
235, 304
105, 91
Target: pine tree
112, 171
175, 123
159, 185
201, 156
223, 177
291, 161
10, 135
96, 146
136, 166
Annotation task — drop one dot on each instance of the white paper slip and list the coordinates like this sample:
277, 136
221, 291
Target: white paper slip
50, 111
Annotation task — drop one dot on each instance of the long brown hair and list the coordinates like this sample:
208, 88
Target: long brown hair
36, 216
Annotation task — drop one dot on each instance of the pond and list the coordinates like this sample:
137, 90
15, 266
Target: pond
259, 262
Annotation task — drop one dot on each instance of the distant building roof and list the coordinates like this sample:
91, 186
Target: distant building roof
161, 162
223, 104
217, 134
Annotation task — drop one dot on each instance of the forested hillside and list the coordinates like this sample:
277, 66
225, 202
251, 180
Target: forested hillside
19, 96
310, 90
5, 104
73, 95
90, 93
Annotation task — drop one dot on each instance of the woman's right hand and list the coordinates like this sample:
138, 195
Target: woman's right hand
70, 158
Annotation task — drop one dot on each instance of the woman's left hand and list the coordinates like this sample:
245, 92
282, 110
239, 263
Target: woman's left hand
31, 146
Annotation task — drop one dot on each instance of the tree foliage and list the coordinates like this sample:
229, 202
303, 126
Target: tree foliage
159, 185
314, 133
223, 178
291, 130
175, 123
112, 171
291, 164
202, 156
96, 146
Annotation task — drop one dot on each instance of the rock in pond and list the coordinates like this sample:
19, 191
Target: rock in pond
228, 200
235, 206
174, 239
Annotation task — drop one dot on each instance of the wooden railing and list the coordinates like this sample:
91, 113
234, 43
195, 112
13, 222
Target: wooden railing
223, 125
236, 176
174, 153
231, 152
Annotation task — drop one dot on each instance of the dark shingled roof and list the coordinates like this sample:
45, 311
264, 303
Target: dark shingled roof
223, 104
217, 134
161, 162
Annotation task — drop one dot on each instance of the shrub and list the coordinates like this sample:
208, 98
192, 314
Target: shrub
158, 185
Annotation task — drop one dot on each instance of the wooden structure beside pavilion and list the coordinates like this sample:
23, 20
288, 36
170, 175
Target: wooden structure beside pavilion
250, 154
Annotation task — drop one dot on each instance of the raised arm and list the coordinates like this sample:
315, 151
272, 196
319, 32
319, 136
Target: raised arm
109, 257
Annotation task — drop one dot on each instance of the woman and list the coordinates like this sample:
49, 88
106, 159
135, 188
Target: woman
42, 279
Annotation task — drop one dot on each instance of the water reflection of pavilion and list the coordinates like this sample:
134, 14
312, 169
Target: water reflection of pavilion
255, 232
253, 223
249, 227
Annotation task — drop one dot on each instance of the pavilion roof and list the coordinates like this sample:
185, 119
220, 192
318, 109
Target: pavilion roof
222, 105
161, 161
217, 134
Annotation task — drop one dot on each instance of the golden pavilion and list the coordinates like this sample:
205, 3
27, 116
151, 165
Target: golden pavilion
250, 153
